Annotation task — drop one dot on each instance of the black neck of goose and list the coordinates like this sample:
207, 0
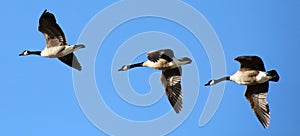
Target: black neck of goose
34, 53
222, 79
136, 65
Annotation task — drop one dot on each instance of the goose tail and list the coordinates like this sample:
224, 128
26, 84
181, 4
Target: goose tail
78, 46
274, 75
185, 60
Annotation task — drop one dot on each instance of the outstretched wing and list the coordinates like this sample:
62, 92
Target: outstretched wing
71, 61
155, 55
257, 97
52, 32
251, 62
171, 80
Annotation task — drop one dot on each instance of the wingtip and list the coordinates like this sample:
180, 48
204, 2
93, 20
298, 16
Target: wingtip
177, 111
177, 107
45, 11
265, 125
79, 69
237, 58
76, 67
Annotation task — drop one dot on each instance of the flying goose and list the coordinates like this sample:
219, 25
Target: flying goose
56, 44
252, 74
171, 73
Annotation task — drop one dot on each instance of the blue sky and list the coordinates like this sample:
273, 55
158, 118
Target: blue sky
39, 95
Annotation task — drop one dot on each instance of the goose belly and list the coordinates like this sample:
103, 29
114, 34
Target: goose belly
159, 65
56, 52
243, 78
250, 77
262, 77
52, 52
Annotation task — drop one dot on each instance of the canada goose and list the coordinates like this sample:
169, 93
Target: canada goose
252, 73
56, 44
171, 73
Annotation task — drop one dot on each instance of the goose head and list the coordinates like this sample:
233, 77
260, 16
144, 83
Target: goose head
124, 68
210, 83
25, 53
215, 81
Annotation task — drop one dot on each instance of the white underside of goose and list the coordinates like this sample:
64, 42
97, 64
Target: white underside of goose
262, 77
53, 52
246, 78
60, 51
163, 64
160, 64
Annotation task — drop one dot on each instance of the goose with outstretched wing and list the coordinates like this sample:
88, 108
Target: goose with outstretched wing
170, 66
56, 44
252, 73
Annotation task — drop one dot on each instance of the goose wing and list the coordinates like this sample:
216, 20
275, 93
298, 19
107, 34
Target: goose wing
251, 62
171, 79
155, 55
52, 32
71, 60
257, 97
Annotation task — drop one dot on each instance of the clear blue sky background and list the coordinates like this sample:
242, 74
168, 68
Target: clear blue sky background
37, 95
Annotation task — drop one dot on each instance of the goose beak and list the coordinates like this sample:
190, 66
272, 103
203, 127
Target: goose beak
21, 54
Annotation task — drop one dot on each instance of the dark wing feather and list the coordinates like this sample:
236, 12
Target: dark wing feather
257, 97
71, 61
155, 55
52, 32
171, 80
251, 63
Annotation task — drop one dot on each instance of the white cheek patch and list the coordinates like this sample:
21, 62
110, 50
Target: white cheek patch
212, 82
